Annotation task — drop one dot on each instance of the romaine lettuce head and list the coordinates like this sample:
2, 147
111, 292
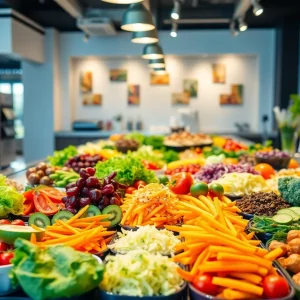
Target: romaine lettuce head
57, 271
11, 201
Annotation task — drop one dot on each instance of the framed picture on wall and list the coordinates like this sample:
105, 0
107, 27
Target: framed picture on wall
218, 73
91, 99
86, 82
190, 86
180, 98
118, 75
236, 96
159, 79
133, 94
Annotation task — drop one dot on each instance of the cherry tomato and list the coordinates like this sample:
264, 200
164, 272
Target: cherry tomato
275, 286
203, 283
44, 205
199, 188
4, 222
18, 222
130, 190
28, 207
4, 246
181, 183
52, 193
216, 190
265, 170
5, 258
139, 183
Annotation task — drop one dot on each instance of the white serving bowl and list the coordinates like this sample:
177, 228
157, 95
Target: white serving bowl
5, 282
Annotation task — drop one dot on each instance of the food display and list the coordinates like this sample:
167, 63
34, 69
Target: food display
215, 171
276, 158
161, 220
186, 139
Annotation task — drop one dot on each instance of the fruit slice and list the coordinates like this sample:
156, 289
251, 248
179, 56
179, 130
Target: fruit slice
9, 233
38, 219
115, 212
282, 219
91, 212
43, 204
295, 209
62, 215
290, 212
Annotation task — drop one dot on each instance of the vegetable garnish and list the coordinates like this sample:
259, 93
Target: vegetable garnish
84, 234
146, 238
140, 273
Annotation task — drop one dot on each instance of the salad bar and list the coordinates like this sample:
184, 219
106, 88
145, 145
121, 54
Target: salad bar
187, 216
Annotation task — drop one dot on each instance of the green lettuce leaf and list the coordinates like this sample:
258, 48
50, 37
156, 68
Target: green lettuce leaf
57, 271
10, 201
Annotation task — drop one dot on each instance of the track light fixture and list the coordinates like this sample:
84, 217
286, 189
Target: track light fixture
174, 30
175, 14
122, 1
257, 8
86, 37
233, 28
242, 25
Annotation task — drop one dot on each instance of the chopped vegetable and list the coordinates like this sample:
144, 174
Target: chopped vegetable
140, 273
59, 158
55, 272
289, 188
146, 238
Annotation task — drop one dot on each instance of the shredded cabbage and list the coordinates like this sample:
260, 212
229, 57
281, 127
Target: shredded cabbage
214, 159
140, 273
146, 238
242, 183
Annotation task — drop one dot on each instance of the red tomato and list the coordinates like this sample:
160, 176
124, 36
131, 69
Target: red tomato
52, 193
203, 283
18, 222
28, 196
275, 286
4, 246
5, 258
28, 207
130, 190
4, 222
44, 205
139, 183
181, 183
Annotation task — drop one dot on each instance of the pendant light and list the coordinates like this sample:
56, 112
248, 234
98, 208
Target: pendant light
145, 37
137, 18
153, 51
157, 63
122, 1
160, 71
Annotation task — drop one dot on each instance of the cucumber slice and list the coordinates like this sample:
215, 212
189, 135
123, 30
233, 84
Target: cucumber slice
282, 219
295, 209
290, 212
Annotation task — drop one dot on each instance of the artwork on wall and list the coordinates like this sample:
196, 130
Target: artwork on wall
159, 79
190, 86
133, 94
219, 73
236, 96
92, 99
118, 75
180, 98
86, 82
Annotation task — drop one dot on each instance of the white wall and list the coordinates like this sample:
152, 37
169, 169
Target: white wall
259, 43
155, 107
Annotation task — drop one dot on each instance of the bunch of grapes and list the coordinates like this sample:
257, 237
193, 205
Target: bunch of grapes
88, 189
83, 161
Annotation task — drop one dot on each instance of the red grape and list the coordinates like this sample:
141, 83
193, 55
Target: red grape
64, 200
95, 195
80, 164
72, 191
80, 183
108, 189
92, 181
70, 185
87, 164
105, 201
91, 171
84, 201
71, 210
72, 201
84, 174
85, 191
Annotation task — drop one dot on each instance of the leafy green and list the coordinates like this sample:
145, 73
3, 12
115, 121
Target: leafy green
59, 158
146, 153
57, 271
135, 136
2, 180
128, 168
170, 155
10, 201
289, 188
156, 141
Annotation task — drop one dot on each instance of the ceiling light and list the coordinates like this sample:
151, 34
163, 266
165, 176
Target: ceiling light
257, 8
153, 51
175, 14
86, 37
160, 71
145, 37
137, 18
242, 25
122, 1
174, 30
157, 63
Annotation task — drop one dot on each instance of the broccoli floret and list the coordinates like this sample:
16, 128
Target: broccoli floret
289, 188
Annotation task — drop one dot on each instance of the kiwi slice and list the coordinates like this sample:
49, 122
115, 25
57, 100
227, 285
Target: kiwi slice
62, 215
115, 212
39, 220
91, 212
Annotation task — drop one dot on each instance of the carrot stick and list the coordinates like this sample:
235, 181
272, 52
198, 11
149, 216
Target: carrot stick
155, 211
219, 211
230, 226
185, 275
140, 218
36, 228
128, 212
238, 285
209, 204
228, 266
195, 201
33, 238
247, 276
144, 206
216, 249
78, 215
232, 294
200, 259
274, 254
67, 226
90, 219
